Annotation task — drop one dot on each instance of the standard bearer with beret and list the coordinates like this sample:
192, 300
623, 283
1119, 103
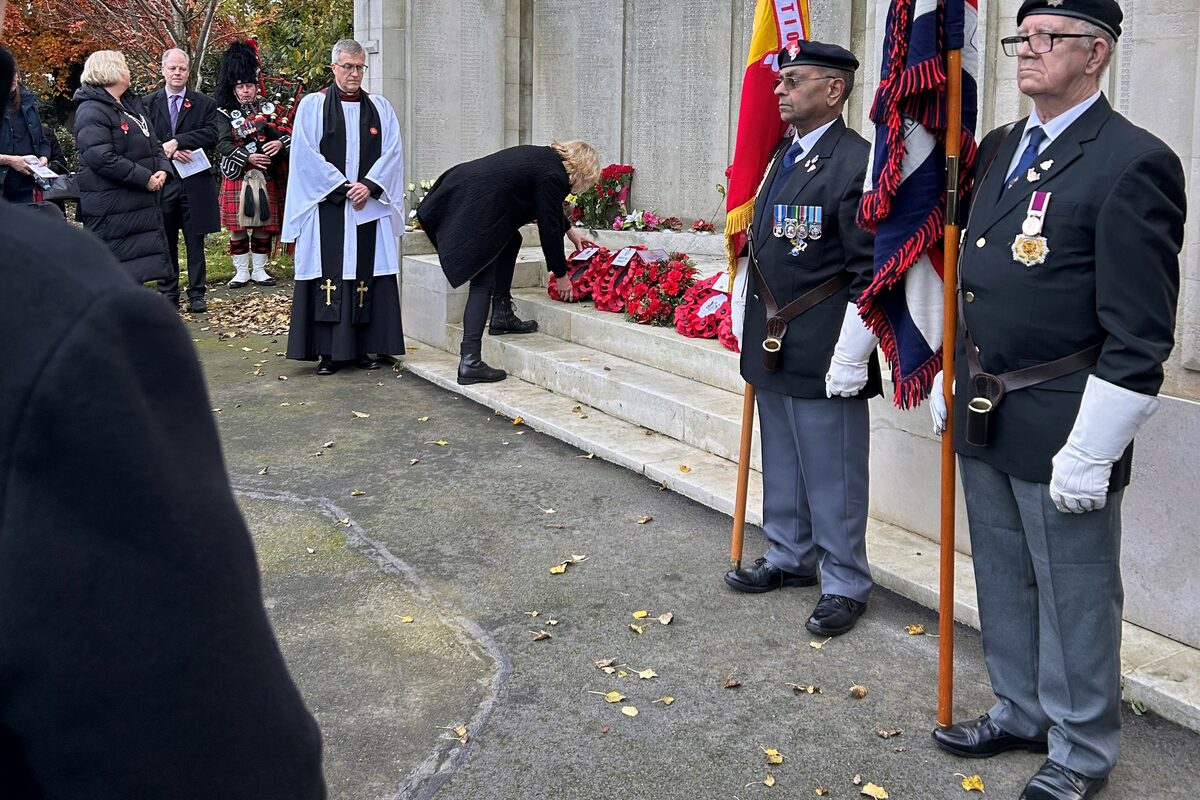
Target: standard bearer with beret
1069, 281
805, 350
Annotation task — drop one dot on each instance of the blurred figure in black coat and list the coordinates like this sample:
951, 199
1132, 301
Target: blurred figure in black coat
473, 216
136, 660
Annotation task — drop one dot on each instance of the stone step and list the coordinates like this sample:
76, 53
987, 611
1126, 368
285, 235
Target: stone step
695, 413
1161, 673
704, 360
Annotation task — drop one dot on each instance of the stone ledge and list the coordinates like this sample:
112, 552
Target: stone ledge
1157, 671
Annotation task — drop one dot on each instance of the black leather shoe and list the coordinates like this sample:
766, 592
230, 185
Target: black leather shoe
834, 615
504, 320
366, 362
1056, 782
471, 369
765, 578
326, 367
197, 306
982, 738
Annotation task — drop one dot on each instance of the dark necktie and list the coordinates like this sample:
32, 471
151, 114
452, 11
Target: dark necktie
1036, 137
174, 111
785, 169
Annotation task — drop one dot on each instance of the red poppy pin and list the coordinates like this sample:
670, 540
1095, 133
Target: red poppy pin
374, 131
794, 49
187, 103
125, 126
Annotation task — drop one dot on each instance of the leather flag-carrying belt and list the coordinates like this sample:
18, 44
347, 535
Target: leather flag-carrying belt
778, 318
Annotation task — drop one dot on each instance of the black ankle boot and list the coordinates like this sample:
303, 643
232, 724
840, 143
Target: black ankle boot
505, 321
471, 369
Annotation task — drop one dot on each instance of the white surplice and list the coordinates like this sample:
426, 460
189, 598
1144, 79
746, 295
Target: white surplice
311, 178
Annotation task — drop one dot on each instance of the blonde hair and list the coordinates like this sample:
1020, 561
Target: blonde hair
104, 68
582, 163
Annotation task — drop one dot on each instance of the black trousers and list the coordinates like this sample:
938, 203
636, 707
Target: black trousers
493, 281
175, 211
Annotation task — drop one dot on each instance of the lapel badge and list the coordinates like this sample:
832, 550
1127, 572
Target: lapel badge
1033, 175
1054, 3
1047, 164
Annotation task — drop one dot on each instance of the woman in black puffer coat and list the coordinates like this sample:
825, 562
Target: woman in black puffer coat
122, 168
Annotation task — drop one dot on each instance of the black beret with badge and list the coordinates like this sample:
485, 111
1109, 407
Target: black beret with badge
1105, 13
817, 54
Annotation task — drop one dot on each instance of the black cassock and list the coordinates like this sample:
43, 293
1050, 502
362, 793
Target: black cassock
332, 316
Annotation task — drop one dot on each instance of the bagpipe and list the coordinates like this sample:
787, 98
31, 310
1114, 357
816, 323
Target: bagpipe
266, 119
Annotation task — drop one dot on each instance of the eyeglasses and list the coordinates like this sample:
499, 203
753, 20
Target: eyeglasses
1038, 42
788, 82
352, 67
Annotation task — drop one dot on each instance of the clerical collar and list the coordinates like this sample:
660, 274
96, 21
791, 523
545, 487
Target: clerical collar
350, 97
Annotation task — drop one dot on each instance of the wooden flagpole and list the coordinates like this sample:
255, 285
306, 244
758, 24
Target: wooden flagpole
743, 480
945, 713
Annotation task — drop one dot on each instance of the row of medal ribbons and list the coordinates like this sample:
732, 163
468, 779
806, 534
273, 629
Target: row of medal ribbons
798, 222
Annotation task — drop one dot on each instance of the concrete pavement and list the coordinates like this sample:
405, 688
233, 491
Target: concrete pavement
462, 542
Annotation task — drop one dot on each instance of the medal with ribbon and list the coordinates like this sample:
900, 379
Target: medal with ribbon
815, 225
802, 224
780, 215
1030, 247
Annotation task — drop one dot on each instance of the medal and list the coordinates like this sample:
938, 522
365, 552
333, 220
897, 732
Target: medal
780, 215
789, 228
801, 222
1030, 247
815, 227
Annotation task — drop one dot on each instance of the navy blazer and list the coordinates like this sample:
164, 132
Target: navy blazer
1114, 227
833, 180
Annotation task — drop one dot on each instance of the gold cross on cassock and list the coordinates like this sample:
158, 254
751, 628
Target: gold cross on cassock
329, 289
362, 292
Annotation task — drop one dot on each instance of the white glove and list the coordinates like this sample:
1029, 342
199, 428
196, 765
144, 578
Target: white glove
737, 298
847, 373
937, 404
1109, 417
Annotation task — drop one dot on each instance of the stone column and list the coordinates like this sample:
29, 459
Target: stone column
578, 46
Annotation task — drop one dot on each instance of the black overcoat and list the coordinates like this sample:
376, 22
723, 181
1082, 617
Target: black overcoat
1114, 227
195, 129
834, 181
114, 165
475, 208
136, 659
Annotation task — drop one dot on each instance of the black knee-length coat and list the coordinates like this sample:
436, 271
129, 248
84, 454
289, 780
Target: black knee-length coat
475, 208
116, 159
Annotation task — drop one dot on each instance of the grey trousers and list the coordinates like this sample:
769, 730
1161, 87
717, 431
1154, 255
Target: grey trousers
1050, 599
815, 457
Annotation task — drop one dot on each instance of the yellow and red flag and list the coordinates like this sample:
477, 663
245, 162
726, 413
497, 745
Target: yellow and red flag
776, 22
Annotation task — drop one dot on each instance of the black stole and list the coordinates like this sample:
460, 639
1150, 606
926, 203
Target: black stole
327, 302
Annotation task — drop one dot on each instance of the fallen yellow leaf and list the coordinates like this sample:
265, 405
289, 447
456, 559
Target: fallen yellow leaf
638, 629
971, 783
357, 493
412, 462
345, 521
614, 697
641, 614
914, 630
540, 635
422, 419
406, 619
805, 688
264, 470
684, 468
518, 420
360, 414
533, 613
888, 733
821, 791
819, 645
559, 569
441, 443
771, 755
644, 520
629, 711
578, 559
666, 701
871, 790
769, 781
646, 674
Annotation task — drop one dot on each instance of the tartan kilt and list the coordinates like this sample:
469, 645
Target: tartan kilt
231, 199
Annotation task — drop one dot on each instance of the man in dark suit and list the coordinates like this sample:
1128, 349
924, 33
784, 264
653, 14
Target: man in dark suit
1070, 273
185, 121
136, 659
805, 350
